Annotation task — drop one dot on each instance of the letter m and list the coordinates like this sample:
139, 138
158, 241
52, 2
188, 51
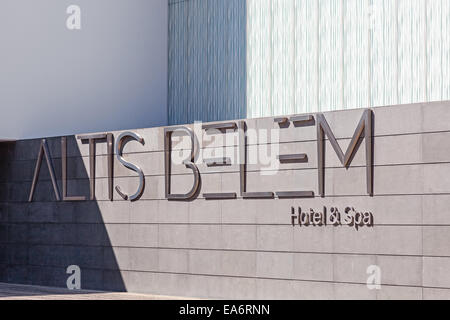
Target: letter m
364, 130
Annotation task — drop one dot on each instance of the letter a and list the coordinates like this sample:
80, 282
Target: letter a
44, 151
74, 281
74, 20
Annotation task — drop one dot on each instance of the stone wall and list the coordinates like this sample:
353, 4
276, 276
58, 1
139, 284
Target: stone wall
242, 248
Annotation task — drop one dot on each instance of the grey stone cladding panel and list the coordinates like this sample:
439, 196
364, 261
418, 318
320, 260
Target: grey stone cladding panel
241, 248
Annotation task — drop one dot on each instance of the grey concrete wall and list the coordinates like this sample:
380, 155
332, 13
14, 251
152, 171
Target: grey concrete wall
243, 248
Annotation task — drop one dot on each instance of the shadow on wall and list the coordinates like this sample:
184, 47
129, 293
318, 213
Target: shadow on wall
207, 61
39, 240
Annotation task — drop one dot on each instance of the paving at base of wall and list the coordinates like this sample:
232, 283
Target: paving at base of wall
24, 292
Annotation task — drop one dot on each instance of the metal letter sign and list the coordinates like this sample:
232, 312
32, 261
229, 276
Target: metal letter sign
243, 166
220, 162
188, 163
121, 141
364, 130
295, 158
93, 139
43, 150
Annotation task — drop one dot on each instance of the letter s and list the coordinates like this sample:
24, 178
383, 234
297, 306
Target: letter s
122, 140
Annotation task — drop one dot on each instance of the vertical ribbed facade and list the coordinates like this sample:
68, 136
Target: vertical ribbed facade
320, 55
232, 59
207, 60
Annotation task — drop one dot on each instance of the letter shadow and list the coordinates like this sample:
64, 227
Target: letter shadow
39, 240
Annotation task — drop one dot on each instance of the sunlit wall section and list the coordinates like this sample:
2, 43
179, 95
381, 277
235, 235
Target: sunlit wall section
330, 51
382, 18
445, 60
283, 49
320, 55
306, 60
355, 82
